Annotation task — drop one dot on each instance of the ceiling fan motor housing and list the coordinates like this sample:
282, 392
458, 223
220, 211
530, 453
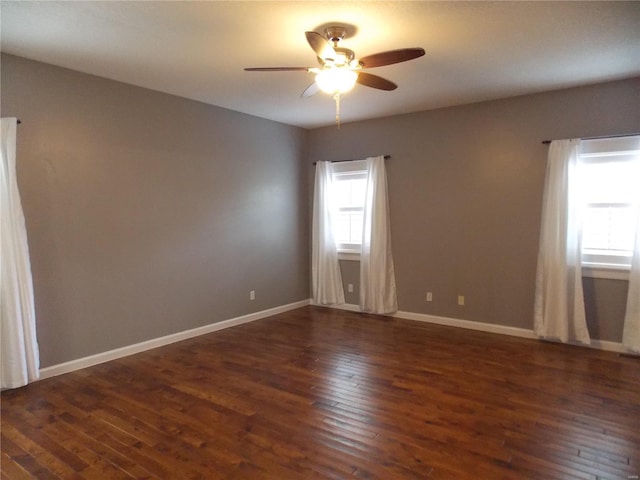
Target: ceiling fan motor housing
344, 56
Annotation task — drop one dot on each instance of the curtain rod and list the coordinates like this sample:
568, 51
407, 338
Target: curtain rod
386, 157
547, 142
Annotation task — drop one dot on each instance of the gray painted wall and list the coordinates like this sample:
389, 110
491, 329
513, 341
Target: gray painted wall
149, 214
466, 193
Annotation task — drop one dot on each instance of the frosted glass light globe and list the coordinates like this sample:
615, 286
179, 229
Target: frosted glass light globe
336, 80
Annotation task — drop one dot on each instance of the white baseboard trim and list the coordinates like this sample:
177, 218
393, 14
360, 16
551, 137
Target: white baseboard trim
603, 345
85, 362
446, 321
485, 327
338, 306
468, 324
96, 359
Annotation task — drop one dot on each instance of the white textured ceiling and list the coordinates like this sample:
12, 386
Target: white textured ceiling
474, 50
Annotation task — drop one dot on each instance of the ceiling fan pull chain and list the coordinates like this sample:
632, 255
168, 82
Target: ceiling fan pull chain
336, 97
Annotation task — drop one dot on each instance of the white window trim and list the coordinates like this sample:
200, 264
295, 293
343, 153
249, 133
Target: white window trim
349, 169
349, 255
602, 151
608, 272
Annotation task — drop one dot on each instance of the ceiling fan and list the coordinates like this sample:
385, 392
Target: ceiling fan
339, 70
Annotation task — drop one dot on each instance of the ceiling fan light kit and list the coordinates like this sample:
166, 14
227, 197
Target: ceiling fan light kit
339, 69
336, 80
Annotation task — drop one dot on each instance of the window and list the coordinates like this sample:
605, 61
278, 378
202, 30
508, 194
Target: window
609, 179
349, 189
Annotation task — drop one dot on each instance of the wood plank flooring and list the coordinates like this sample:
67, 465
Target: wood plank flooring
320, 393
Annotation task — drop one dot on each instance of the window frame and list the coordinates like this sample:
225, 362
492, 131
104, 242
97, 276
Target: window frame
341, 171
599, 151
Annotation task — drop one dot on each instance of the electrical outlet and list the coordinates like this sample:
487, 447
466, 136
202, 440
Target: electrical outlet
350, 287
252, 295
429, 297
461, 300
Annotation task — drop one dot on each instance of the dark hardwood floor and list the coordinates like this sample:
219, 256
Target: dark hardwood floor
320, 393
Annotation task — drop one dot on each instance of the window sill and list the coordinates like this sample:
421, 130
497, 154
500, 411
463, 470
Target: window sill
352, 256
611, 273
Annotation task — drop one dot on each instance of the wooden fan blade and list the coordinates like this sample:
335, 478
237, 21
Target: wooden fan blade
321, 46
277, 69
310, 90
374, 81
392, 56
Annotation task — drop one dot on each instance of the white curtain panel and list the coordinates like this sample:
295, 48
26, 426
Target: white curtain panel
326, 280
377, 276
559, 302
20, 361
631, 331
